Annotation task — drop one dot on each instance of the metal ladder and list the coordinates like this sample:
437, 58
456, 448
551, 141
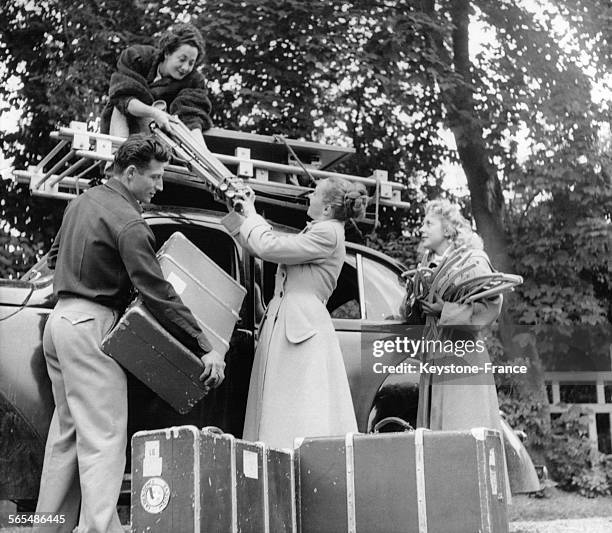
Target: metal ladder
80, 155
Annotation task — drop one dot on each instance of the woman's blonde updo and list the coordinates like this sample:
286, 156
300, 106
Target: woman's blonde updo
347, 200
457, 229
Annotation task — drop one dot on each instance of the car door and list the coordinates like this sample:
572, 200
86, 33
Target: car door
384, 393
378, 289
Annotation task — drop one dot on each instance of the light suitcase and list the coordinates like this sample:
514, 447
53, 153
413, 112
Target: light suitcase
422, 481
143, 347
182, 252
211, 294
210, 312
209, 481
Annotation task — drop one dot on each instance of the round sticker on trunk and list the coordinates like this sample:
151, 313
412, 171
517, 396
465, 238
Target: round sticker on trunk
154, 495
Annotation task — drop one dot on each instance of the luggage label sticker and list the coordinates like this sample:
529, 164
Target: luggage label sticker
155, 495
152, 462
250, 464
178, 284
492, 472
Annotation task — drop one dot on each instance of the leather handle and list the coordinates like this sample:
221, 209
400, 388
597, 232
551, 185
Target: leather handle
213, 429
392, 420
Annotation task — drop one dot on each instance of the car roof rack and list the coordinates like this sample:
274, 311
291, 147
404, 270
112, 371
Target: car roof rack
279, 170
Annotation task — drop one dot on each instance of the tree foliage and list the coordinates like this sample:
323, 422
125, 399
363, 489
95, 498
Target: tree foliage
56, 60
274, 67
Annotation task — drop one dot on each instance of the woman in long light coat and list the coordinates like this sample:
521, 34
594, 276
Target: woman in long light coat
457, 401
299, 386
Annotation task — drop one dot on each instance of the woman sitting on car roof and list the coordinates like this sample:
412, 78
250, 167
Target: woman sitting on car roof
152, 84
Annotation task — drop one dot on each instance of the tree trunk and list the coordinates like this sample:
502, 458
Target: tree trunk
485, 189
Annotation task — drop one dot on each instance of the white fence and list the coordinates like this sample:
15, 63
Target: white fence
596, 386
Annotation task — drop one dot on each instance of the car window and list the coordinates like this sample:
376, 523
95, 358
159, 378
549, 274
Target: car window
383, 291
269, 273
344, 301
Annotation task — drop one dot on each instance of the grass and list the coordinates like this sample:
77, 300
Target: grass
560, 505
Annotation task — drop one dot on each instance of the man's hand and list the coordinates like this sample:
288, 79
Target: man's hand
214, 369
433, 308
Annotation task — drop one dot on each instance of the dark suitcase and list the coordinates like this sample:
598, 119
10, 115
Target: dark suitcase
165, 481
280, 490
422, 481
265, 489
143, 347
249, 483
217, 484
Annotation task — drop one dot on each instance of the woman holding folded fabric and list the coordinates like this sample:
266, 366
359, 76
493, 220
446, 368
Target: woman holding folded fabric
457, 400
299, 386
154, 83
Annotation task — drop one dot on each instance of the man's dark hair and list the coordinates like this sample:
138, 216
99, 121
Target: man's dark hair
139, 150
179, 35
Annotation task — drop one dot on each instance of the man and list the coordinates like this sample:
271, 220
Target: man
103, 249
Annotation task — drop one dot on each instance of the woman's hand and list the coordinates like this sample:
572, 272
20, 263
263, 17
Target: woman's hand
163, 119
245, 198
433, 308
